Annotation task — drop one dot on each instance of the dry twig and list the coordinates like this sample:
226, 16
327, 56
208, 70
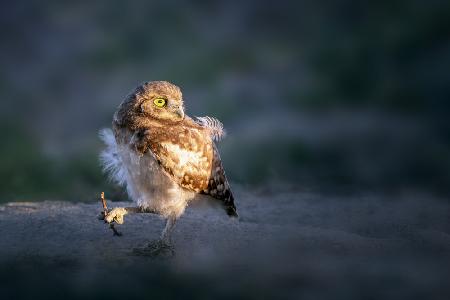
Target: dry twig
105, 212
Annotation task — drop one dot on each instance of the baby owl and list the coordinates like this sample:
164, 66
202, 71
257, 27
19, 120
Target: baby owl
163, 157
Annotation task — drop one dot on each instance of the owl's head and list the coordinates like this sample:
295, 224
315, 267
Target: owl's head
160, 100
154, 100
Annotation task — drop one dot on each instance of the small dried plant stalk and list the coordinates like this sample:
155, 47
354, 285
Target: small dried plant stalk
105, 212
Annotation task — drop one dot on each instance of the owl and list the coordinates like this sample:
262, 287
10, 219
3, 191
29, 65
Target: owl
164, 158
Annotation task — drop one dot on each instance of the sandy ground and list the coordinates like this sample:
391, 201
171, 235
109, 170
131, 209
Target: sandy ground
286, 245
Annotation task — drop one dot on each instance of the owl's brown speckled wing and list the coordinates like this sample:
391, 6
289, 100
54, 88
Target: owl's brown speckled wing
189, 156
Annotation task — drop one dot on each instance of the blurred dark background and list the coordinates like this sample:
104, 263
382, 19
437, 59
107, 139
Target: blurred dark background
329, 95
326, 103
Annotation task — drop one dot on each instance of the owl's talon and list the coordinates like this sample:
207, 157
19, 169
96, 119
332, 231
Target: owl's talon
116, 215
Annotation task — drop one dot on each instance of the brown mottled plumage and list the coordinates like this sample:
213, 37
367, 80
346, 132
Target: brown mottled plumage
165, 158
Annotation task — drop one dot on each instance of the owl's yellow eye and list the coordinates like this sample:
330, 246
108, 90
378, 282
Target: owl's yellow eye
160, 102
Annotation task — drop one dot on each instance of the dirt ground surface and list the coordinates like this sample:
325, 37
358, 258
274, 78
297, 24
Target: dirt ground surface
286, 245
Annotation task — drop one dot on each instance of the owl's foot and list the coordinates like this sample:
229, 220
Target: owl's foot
116, 215
156, 249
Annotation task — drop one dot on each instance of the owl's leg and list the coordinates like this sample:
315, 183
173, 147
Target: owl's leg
166, 234
163, 246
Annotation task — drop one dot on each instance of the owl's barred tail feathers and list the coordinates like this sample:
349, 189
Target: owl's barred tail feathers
214, 126
110, 159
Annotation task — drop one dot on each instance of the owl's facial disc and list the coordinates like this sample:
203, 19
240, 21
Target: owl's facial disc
162, 108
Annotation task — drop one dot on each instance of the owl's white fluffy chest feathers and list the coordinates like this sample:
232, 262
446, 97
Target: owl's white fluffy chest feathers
146, 182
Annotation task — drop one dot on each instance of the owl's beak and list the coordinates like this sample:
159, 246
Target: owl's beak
179, 111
